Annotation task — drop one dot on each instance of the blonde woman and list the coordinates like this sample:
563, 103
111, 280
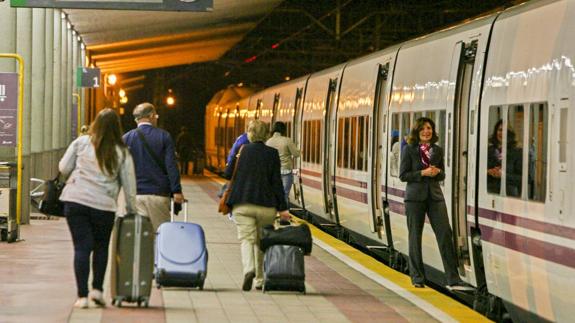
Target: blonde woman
256, 196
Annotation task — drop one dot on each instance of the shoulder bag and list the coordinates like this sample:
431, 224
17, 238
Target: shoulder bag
223, 207
50, 203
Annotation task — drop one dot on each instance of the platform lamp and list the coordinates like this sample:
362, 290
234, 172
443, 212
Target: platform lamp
170, 100
111, 80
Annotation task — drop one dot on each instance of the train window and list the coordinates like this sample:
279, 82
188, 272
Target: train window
346, 140
340, 142
514, 153
395, 146
494, 150
362, 147
305, 144
506, 150
417, 115
538, 131
353, 144
318, 141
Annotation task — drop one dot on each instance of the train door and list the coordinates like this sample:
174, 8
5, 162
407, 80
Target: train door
296, 131
560, 182
457, 132
328, 181
377, 156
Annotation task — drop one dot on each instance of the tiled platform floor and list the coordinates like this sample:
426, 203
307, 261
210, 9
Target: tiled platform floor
37, 282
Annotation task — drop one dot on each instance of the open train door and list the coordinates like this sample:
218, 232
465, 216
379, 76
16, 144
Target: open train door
457, 150
377, 158
329, 148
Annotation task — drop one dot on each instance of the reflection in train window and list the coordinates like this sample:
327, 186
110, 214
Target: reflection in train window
395, 146
514, 153
538, 131
518, 156
311, 141
352, 142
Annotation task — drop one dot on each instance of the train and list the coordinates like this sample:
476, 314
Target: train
515, 243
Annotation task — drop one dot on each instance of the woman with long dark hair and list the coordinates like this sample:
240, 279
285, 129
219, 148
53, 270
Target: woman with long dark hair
423, 169
96, 166
495, 162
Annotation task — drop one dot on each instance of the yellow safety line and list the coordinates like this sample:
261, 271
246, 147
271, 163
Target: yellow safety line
20, 123
442, 302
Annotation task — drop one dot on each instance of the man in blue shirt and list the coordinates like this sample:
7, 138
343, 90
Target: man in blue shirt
157, 173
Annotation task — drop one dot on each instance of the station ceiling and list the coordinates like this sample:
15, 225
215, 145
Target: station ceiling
128, 41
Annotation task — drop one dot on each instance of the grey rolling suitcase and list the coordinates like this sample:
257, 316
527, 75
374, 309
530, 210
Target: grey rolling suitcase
132, 260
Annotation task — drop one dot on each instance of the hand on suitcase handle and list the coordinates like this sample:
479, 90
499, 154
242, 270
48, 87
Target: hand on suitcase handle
285, 216
179, 198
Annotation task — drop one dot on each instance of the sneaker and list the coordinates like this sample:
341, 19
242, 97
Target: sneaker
248, 280
460, 287
97, 297
82, 302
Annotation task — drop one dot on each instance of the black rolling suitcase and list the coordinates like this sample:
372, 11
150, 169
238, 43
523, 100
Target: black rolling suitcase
284, 269
132, 260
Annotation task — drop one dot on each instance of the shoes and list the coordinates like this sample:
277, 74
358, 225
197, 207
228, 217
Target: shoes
460, 287
82, 302
259, 287
248, 280
418, 285
97, 297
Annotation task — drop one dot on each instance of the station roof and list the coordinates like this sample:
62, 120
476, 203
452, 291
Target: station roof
128, 41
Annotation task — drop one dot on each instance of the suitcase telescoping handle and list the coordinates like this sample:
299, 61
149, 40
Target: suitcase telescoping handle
184, 207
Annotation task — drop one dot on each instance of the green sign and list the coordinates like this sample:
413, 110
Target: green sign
150, 5
88, 77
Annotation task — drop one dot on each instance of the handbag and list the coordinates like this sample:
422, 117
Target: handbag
50, 203
223, 207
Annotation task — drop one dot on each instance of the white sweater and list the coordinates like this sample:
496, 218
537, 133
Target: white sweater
89, 186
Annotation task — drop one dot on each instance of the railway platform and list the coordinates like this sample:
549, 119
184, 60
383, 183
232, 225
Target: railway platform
343, 284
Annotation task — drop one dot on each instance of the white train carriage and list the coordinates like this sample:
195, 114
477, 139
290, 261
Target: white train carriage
434, 77
318, 127
513, 71
528, 225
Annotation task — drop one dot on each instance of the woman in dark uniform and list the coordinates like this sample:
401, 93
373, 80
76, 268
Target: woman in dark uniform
422, 168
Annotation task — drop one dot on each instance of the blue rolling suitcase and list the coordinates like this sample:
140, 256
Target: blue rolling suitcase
181, 257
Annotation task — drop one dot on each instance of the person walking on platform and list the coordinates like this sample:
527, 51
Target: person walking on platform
156, 169
287, 151
96, 165
184, 149
256, 195
422, 167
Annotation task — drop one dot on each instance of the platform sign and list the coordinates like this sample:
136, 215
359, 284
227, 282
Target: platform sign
150, 5
88, 77
8, 109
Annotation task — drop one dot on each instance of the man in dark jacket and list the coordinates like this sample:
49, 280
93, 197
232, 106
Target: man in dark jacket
157, 173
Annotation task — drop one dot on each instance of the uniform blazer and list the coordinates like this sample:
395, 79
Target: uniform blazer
258, 179
421, 188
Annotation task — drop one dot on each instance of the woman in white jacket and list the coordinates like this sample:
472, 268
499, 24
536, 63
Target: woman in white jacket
96, 166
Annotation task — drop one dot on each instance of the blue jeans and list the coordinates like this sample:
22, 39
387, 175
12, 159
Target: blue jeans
287, 181
91, 229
